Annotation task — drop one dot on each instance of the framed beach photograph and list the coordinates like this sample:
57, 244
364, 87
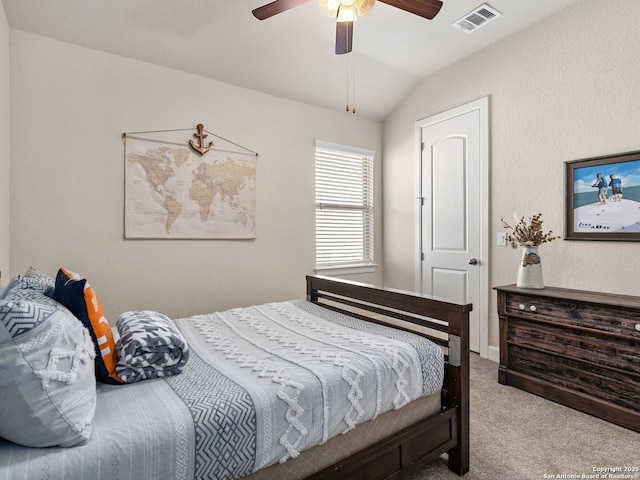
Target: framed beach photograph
602, 198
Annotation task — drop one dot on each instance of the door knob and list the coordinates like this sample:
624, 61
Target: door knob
473, 261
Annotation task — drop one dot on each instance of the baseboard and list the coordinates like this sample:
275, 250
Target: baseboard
493, 354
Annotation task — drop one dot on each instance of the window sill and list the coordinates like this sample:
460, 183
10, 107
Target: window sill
346, 269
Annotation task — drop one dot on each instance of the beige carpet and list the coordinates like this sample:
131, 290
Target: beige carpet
516, 435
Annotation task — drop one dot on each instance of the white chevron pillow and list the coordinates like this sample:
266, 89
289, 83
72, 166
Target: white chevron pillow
46, 373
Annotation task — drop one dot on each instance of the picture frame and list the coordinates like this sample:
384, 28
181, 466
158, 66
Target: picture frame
602, 198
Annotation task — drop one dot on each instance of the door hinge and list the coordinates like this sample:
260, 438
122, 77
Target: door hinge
422, 256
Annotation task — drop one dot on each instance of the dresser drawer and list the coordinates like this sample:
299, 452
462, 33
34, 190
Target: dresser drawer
593, 380
617, 352
608, 319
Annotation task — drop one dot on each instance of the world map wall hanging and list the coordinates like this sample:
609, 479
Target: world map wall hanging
188, 188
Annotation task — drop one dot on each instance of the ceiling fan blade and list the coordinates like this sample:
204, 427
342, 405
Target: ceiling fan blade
273, 8
344, 37
423, 8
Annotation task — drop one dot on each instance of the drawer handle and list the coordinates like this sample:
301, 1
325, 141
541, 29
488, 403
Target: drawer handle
638, 327
522, 306
631, 358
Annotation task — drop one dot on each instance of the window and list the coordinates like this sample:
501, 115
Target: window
344, 208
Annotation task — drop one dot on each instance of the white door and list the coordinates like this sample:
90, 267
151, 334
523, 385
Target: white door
453, 200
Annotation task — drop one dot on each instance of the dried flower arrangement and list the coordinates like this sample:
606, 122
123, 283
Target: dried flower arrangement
528, 234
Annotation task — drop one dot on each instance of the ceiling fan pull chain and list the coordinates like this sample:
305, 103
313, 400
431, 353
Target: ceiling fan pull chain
347, 57
353, 81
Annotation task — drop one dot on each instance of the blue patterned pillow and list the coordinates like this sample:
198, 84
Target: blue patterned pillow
33, 280
46, 374
19, 314
43, 279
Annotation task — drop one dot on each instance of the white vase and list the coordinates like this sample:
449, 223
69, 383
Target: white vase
530, 269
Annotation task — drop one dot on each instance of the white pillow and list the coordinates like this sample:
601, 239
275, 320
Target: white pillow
46, 374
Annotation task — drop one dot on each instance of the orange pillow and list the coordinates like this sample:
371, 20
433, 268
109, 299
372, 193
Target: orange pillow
74, 292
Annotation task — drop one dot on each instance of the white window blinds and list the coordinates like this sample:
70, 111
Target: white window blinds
344, 206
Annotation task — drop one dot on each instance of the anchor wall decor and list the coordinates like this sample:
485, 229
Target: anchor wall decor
200, 148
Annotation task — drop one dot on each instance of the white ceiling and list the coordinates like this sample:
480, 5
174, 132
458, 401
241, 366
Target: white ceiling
290, 55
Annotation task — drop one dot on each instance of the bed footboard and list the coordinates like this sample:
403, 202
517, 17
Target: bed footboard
445, 323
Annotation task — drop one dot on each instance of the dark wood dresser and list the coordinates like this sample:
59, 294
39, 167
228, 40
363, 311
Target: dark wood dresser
578, 348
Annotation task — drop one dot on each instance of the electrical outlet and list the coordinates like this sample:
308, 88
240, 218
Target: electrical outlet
502, 239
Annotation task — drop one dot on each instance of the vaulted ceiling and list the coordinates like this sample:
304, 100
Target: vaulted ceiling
290, 55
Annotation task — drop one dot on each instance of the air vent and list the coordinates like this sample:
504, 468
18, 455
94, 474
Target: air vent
478, 18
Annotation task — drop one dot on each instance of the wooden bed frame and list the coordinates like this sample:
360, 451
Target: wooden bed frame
405, 452
394, 457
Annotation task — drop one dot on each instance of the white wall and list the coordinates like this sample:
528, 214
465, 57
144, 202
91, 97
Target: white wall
4, 148
564, 89
69, 108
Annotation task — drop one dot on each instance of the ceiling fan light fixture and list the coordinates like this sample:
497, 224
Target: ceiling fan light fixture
346, 14
363, 6
330, 7
333, 8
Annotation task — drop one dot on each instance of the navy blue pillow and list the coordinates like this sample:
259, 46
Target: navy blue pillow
74, 292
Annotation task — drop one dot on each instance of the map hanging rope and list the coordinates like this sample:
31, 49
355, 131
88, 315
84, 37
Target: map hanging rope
126, 134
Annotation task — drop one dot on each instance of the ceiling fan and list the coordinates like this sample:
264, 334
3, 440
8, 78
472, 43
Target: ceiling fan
346, 12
